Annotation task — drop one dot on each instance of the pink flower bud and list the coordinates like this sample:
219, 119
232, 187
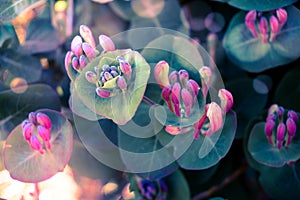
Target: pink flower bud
77, 40
291, 126
269, 126
75, 63
102, 92
280, 135
273, 109
88, 50
292, 114
175, 96
206, 78
35, 144
87, 35
166, 92
26, 121
106, 43
193, 86
215, 116
107, 76
44, 133
280, 112
32, 117
226, 99
173, 77
43, 120
83, 61
121, 82
183, 76
68, 59
282, 16
78, 50
91, 77
274, 27
27, 130
263, 27
271, 117
188, 101
125, 69
161, 71
250, 21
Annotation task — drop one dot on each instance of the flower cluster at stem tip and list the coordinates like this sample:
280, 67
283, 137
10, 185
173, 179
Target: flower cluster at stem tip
152, 189
280, 128
180, 93
267, 29
37, 131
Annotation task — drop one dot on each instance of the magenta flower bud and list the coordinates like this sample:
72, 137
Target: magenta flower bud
75, 63
280, 134
102, 92
273, 109
125, 69
226, 99
274, 27
68, 59
269, 126
193, 86
32, 117
173, 77
44, 133
166, 92
188, 101
26, 121
43, 120
292, 114
250, 20
106, 43
107, 76
78, 50
91, 77
88, 50
183, 76
291, 126
82, 61
280, 113
121, 82
35, 144
161, 71
215, 115
175, 96
282, 16
77, 40
87, 35
263, 27
27, 130
271, 117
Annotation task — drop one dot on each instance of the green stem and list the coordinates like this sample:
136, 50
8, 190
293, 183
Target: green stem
225, 182
149, 101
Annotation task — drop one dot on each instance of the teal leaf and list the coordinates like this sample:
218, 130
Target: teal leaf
16, 106
252, 55
9, 9
205, 151
28, 165
257, 4
122, 106
8, 36
263, 152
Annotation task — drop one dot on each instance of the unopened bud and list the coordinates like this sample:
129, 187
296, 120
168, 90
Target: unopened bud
32, 117
271, 117
280, 113
102, 92
26, 121
106, 43
78, 50
291, 126
292, 114
173, 77
91, 77
27, 130
35, 144
82, 61
77, 40
274, 27
43, 120
87, 35
188, 101
68, 59
250, 21
75, 63
263, 27
206, 78
161, 71
193, 86
175, 96
226, 99
215, 116
88, 50
282, 16
121, 82
183, 76
280, 135
114, 73
269, 126
125, 69
107, 76
166, 92
273, 109
44, 133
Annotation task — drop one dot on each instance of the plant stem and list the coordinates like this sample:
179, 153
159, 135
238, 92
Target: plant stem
225, 182
148, 101
36, 191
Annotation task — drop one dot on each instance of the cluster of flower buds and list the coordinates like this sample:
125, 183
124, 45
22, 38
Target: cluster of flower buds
40, 123
83, 48
267, 30
179, 92
107, 78
151, 190
212, 120
281, 126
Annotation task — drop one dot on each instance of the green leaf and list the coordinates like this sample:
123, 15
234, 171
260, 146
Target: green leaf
252, 55
15, 65
122, 106
9, 9
258, 4
16, 106
8, 36
205, 151
28, 165
263, 152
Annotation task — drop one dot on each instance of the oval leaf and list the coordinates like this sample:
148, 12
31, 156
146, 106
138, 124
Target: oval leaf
28, 165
